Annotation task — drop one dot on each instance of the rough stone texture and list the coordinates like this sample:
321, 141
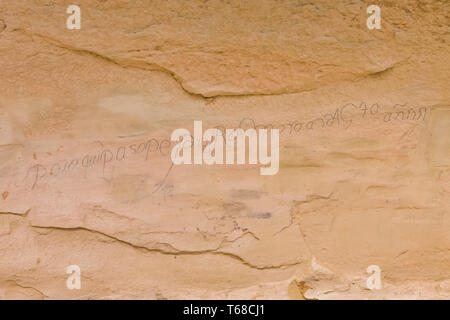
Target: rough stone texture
364, 148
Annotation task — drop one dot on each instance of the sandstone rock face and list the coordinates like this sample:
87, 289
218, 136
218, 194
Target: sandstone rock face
86, 176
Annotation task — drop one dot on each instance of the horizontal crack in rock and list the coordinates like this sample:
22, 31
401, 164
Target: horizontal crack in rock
175, 252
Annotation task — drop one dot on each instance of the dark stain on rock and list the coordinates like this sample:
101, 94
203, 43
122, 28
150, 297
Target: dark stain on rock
2, 25
261, 215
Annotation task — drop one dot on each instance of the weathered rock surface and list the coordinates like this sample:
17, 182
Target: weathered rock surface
364, 178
